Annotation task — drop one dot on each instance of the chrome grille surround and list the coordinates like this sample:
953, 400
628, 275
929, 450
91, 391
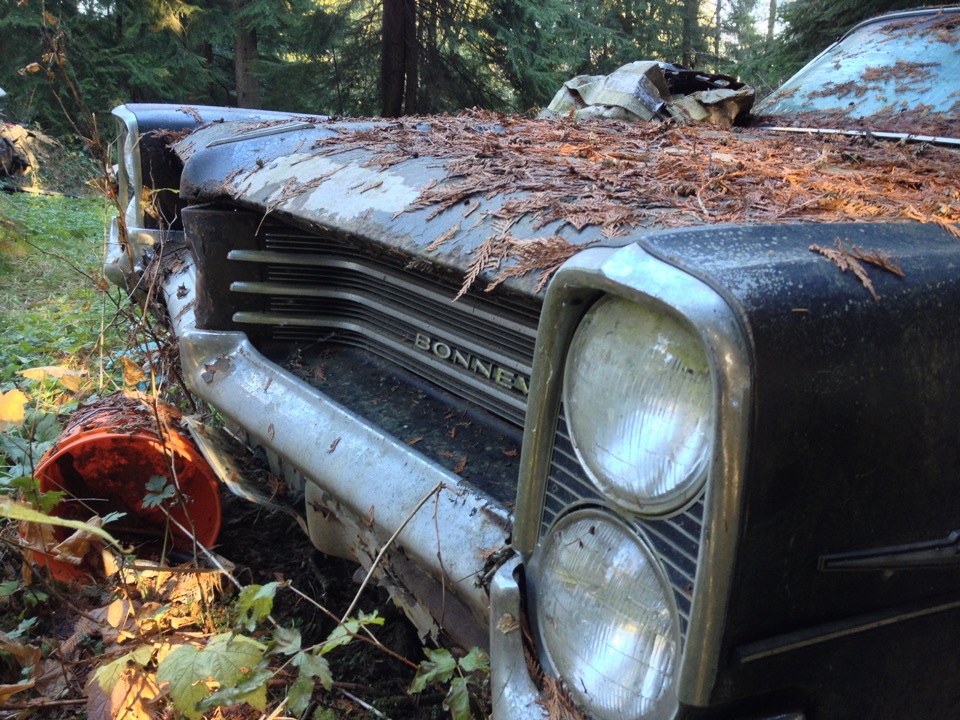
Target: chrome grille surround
315, 289
696, 545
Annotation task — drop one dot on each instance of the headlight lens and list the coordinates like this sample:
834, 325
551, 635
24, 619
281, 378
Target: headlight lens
638, 396
606, 618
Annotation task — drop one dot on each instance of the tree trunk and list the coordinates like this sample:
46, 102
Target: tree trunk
691, 11
244, 52
716, 36
412, 64
771, 21
398, 58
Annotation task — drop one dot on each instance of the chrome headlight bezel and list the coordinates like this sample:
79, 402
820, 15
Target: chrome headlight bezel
636, 274
633, 556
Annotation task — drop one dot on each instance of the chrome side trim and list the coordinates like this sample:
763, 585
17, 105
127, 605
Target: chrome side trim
262, 132
789, 642
634, 274
343, 458
513, 693
867, 134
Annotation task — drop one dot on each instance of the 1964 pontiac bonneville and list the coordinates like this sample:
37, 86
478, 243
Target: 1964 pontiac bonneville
679, 404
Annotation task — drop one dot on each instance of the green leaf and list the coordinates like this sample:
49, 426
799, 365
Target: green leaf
315, 666
27, 484
285, 641
141, 656
438, 667
299, 694
342, 634
22, 628
15, 448
184, 670
107, 675
311, 666
230, 660
475, 660
158, 489
9, 587
255, 603
34, 597
156, 483
19, 511
47, 501
457, 700
47, 430
251, 690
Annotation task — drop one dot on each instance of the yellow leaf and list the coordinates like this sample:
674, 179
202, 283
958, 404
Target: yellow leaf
50, 18
31, 68
19, 511
11, 409
131, 697
7, 691
27, 657
132, 374
75, 548
68, 377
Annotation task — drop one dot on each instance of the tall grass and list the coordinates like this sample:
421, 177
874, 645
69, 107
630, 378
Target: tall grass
54, 307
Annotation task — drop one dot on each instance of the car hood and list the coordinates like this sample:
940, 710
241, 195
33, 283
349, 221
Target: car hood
496, 198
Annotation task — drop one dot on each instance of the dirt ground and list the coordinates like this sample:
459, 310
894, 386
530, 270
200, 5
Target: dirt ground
267, 546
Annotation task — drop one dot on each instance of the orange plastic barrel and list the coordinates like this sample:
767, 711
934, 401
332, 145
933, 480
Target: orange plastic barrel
106, 456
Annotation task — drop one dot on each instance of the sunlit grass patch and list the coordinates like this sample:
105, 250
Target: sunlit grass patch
54, 309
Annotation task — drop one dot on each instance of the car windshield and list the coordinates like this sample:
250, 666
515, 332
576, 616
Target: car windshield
899, 73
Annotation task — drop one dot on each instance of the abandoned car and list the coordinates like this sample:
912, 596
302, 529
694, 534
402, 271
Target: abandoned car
668, 411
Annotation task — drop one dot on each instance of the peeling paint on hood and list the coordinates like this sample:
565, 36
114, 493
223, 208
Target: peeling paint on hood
345, 191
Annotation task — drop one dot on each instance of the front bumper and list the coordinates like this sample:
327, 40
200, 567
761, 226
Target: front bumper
514, 695
362, 487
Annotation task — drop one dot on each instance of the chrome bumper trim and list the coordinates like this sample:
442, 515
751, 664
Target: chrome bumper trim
346, 459
119, 267
514, 694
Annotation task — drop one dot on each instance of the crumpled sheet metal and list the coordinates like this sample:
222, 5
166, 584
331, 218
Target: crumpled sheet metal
647, 91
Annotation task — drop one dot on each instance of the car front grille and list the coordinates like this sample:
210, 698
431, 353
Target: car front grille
319, 291
676, 539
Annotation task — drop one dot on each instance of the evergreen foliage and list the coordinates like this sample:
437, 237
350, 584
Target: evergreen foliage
327, 56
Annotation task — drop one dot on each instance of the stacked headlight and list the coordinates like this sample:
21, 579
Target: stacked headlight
639, 404
606, 618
